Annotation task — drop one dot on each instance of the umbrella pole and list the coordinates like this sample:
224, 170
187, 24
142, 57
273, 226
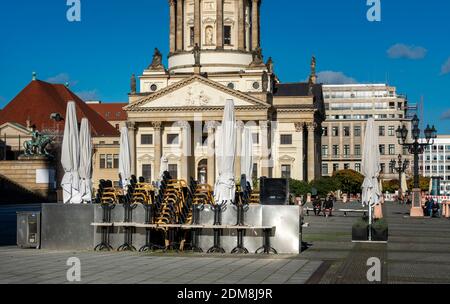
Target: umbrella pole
370, 223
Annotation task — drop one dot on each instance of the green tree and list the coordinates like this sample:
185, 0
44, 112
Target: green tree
391, 186
424, 183
325, 185
350, 181
299, 188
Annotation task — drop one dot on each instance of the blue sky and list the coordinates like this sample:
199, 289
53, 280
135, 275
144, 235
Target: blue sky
117, 38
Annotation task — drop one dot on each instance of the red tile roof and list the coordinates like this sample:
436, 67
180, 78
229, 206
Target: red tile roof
39, 99
110, 111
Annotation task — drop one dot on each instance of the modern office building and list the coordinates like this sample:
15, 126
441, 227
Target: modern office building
347, 109
435, 162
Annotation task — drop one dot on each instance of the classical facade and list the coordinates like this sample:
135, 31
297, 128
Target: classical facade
215, 55
347, 109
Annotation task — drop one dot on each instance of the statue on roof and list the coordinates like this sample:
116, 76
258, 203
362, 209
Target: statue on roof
312, 76
157, 61
133, 84
269, 65
257, 57
196, 52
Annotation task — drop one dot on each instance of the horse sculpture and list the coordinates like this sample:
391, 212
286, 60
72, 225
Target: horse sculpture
38, 145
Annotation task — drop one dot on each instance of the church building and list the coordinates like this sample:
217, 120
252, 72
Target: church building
215, 55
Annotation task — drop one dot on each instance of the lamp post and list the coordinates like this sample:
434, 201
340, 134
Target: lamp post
400, 166
416, 148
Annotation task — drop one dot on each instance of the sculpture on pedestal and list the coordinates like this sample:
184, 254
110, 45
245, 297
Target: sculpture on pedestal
196, 52
37, 146
157, 61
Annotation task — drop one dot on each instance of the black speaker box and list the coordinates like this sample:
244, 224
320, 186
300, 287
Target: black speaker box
274, 191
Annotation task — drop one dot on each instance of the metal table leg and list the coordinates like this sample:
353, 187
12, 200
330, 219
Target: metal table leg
240, 249
266, 248
105, 245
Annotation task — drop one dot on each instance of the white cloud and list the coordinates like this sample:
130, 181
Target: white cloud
400, 50
62, 78
446, 67
331, 77
446, 115
88, 95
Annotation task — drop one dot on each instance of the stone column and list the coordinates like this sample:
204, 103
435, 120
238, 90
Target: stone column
211, 127
311, 152
255, 24
186, 151
219, 29
241, 25
172, 25
197, 23
299, 129
158, 147
179, 25
132, 140
239, 132
265, 164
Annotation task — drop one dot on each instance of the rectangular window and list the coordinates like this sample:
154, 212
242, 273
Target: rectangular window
173, 171
147, 139
255, 170
346, 150
102, 161
382, 149
335, 150
324, 169
335, 168
109, 161
325, 150
357, 131
358, 167
147, 173
382, 131
116, 161
346, 131
286, 139
383, 168
173, 139
358, 150
335, 131
346, 166
391, 149
285, 171
391, 131
227, 35
325, 131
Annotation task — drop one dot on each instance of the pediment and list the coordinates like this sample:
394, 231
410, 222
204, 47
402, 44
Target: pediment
195, 92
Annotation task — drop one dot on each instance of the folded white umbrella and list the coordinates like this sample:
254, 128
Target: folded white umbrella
404, 184
70, 157
225, 189
371, 166
85, 169
124, 159
247, 155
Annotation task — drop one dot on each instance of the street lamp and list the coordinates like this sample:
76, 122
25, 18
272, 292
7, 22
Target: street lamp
400, 166
416, 148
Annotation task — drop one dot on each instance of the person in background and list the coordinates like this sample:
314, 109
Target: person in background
434, 209
329, 205
317, 206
